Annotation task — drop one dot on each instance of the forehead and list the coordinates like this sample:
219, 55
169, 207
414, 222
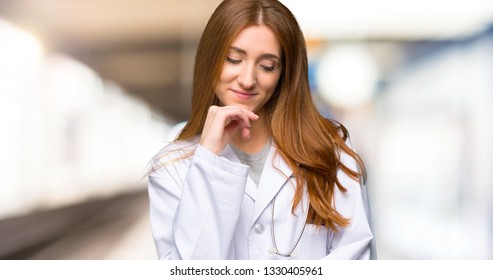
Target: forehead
257, 39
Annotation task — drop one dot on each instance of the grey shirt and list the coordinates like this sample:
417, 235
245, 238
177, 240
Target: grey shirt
255, 161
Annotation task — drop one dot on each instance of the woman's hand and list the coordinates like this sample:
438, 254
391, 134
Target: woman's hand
222, 123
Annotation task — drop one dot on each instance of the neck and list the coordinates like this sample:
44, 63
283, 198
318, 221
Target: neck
259, 135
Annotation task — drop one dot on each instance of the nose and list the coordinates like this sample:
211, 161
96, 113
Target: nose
247, 78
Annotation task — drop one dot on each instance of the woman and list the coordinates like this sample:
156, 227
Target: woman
257, 172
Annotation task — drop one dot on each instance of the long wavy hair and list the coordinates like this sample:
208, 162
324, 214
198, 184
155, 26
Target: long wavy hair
309, 143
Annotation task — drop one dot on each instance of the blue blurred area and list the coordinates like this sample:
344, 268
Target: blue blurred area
426, 138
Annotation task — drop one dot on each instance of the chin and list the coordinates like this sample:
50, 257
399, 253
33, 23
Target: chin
241, 105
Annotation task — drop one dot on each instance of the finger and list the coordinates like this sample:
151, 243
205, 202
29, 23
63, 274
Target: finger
245, 133
242, 117
251, 115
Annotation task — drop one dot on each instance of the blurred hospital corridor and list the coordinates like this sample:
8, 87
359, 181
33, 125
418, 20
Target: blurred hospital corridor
115, 228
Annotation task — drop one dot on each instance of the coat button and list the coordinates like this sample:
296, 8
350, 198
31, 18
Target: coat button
259, 228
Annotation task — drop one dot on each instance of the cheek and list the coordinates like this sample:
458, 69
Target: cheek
224, 80
270, 83
227, 74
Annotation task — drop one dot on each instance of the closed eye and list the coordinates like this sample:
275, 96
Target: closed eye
268, 68
232, 60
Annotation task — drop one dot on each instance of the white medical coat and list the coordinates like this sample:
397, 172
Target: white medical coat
207, 207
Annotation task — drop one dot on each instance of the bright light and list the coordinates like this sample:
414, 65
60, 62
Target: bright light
400, 19
19, 50
347, 75
20, 59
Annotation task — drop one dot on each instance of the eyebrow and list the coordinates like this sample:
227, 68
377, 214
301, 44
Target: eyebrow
265, 55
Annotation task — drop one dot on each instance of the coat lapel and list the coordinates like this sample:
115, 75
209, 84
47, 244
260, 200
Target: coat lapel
274, 176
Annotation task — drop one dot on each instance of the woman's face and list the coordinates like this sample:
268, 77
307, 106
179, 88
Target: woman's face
251, 70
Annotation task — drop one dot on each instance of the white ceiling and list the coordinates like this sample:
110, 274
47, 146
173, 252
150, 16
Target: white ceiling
391, 19
106, 21
101, 20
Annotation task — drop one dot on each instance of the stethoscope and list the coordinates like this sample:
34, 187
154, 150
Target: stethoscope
274, 249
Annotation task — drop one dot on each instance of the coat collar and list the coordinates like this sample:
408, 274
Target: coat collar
274, 176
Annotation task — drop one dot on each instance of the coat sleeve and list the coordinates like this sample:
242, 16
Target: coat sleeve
352, 241
194, 206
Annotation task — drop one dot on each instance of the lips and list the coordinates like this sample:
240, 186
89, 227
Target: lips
243, 94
